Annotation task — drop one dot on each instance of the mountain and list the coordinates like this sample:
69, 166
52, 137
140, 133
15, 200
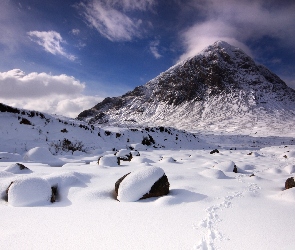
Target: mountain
221, 88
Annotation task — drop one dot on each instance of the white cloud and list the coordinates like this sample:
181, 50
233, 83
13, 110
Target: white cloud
60, 94
75, 32
110, 19
51, 41
238, 22
154, 49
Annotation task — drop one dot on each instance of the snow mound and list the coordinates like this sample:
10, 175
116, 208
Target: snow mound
226, 166
290, 169
66, 179
42, 155
108, 161
288, 195
138, 183
214, 174
4, 174
167, 160
4, 157
18, 168
140, 160
274, 171
29, 191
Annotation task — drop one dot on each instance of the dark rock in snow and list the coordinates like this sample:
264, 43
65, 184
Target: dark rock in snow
290, 183
160, 188
214, 151
235, 170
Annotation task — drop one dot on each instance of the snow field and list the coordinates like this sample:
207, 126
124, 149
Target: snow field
206, 204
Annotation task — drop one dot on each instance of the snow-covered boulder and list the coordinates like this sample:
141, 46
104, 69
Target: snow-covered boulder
29, 191
124, 155
109, 161
4, 157
143, 183
18, 168
167, 160
42, 155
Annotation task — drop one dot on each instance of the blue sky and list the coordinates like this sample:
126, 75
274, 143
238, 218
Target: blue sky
65, 56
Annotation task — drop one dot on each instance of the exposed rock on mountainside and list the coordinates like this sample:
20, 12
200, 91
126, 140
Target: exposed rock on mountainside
214, 88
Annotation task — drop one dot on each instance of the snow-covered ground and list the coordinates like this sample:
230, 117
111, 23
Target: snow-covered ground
208, 207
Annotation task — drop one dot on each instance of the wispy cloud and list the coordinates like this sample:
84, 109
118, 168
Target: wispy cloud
51, 41
75, 32
112, 19
238, 22
154, 48
59, 94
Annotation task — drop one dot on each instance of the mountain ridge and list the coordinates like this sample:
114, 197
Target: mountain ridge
221, 86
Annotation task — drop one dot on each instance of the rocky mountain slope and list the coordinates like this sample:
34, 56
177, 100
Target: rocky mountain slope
221, 88
22, 130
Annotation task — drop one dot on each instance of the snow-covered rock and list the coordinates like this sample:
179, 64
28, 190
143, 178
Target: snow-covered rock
29, 191
17, 168
167, 160
138, 183
124, 154
109, 161
42, 155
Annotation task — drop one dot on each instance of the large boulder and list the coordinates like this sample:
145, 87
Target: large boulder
290, 183
146, 182
29, 191
108, 161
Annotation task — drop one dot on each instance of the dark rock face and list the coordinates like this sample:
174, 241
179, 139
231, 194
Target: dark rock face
159, 188
22, 167
290, 183
127, 157
214, 151
25, 121
117, 184
54, 195
5, 108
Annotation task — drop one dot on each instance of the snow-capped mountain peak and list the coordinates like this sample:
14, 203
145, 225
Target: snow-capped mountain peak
220, 88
